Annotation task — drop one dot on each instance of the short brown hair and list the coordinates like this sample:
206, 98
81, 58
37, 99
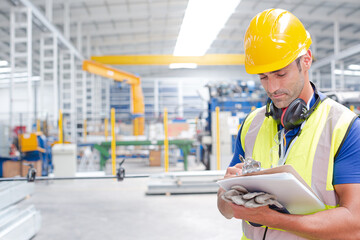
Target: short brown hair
298, 63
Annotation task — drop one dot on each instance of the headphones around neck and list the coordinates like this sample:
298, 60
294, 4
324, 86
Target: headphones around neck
295, 114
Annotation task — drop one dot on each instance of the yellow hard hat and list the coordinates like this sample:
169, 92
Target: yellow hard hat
274, 39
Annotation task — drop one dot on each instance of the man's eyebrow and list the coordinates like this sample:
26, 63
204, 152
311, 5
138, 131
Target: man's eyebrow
273, 71
276, 71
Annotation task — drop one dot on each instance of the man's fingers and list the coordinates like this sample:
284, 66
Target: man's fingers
233, 171
239, 165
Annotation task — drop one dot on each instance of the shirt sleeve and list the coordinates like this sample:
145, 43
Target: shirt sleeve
238, 150
347, 163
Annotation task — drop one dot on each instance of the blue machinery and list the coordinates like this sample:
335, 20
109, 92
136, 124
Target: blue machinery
35, 151
237, 100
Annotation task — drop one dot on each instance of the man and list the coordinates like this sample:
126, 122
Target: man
318, 137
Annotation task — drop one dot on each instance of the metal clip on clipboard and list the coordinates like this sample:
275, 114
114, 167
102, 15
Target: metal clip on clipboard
250, 165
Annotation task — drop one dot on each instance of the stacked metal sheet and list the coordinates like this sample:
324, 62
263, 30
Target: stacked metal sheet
13, 192
184, 182
16, 223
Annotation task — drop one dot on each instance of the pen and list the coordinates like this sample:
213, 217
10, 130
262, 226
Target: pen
241, 158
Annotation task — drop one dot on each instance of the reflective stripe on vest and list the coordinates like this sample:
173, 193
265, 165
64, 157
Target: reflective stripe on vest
312, 155
257, 233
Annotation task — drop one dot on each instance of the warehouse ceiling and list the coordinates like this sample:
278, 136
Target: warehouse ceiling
147, 27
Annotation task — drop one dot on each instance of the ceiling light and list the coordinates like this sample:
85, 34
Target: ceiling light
182, 65
202, 22
354, 67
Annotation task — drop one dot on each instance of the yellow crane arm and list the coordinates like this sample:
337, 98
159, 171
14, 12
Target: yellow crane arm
138, 108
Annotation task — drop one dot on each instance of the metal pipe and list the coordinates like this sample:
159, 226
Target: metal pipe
30, 102
38, 125
135, 175
217, 138
55, 77
85, 126
166, 141
113, 141
106, 122
43, 178
61, 139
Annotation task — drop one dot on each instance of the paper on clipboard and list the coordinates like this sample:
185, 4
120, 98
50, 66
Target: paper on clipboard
285, 183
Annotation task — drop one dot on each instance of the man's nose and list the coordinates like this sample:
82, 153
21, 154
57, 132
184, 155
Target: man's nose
273, 85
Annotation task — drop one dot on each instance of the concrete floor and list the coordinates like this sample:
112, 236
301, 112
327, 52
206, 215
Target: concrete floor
107, 209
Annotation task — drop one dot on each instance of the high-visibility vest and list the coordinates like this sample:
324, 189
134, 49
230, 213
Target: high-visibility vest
312, 154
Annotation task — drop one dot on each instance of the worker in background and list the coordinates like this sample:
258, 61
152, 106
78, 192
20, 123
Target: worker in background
299, 126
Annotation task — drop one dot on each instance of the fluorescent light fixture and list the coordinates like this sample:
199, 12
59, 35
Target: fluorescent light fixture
347, 72
3, 63
110, 73
354, 67
202, 22
182, 65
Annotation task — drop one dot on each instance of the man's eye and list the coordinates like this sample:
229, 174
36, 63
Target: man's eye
263, 78
281, 75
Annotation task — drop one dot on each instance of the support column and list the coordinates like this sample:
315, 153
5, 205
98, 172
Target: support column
336, 52
180, 99
333, 76
342, 79
67, 19
156, 98
49, 10
318, 77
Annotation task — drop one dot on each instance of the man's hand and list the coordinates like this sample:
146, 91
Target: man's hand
224, 206
260, 215
234, 171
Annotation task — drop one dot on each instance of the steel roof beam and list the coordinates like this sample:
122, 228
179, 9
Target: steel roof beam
40, 16
335, 57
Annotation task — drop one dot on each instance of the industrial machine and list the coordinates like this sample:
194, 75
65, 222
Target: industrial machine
235, 100
29, 150
350, 99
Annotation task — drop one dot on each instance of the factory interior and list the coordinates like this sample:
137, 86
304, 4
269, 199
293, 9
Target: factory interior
118, 117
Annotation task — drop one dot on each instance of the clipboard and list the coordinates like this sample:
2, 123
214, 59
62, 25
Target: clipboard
285, 183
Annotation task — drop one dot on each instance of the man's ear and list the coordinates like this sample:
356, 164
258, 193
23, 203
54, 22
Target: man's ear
307, 59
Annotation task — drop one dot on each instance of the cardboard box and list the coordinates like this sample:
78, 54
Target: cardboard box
175, 129
155, 158
17, 168
11, 169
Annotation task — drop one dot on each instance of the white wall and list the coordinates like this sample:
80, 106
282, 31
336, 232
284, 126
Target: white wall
20, 97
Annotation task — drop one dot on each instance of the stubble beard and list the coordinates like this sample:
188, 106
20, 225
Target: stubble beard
289, 97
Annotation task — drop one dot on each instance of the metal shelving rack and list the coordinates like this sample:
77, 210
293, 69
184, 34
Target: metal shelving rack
49, 73
21, 61
67, 94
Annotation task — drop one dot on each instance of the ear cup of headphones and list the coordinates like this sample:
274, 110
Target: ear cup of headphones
275, 113
295, 114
